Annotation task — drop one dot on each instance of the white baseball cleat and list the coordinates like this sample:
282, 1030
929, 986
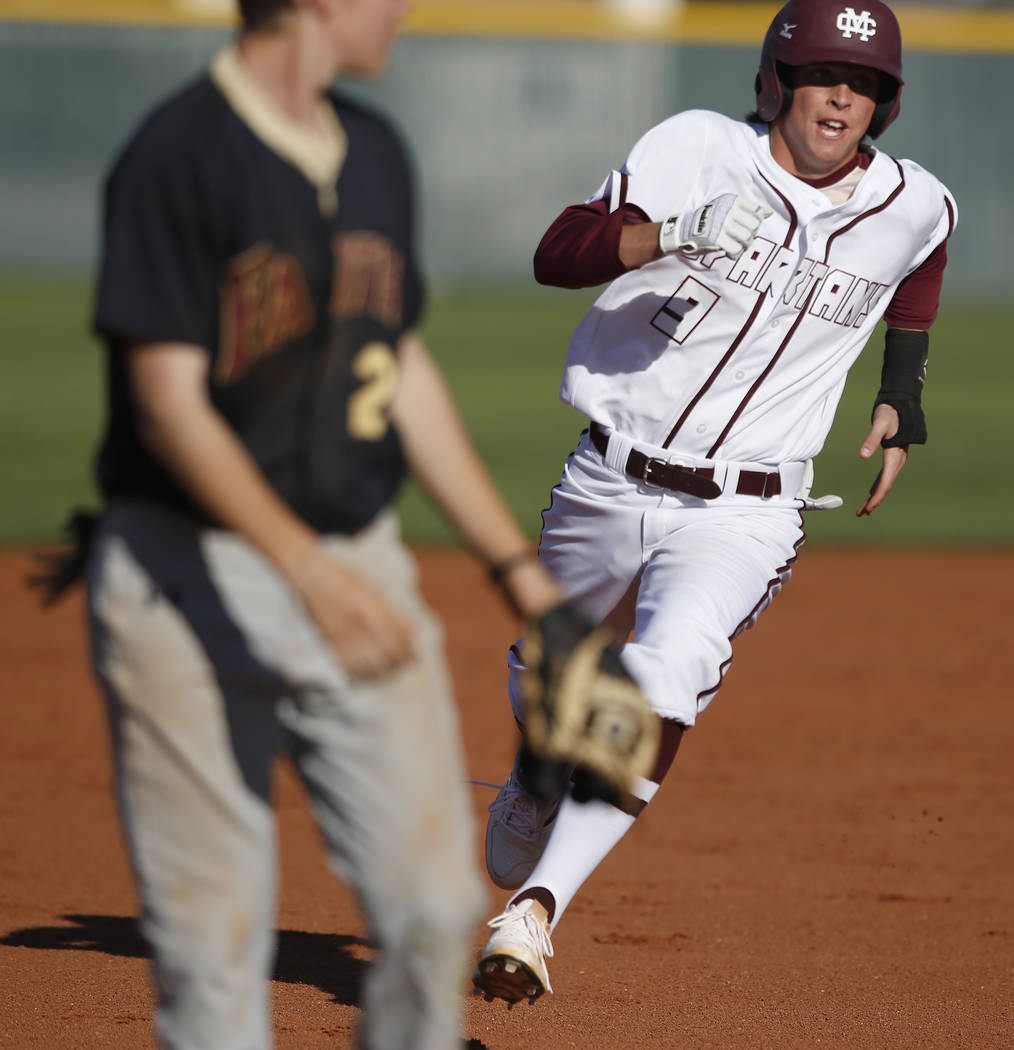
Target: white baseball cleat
512, 966
517, 831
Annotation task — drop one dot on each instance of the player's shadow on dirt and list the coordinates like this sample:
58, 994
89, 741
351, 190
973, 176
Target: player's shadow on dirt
320, 959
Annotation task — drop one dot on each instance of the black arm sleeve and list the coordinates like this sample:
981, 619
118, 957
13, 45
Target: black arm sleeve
901, 381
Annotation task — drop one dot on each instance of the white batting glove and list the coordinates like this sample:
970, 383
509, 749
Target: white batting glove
727, 224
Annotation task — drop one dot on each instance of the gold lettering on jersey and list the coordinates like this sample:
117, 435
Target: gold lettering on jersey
369, 274
368, 416
264, 305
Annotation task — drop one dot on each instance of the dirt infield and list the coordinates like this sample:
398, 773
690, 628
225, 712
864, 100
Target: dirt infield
830, 864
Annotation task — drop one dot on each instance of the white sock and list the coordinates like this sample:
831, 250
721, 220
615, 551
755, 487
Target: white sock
583, 836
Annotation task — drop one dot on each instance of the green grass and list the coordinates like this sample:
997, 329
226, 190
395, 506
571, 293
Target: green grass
956, 489
502, 356
50, 399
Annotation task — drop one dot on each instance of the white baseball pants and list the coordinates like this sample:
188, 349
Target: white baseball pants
683, 574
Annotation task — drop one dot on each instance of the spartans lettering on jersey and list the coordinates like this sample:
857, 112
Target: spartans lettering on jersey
835, 296
265, 302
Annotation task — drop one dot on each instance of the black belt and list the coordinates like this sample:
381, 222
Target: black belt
697, 481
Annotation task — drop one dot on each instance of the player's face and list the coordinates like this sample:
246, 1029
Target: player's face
832, 105
364, 32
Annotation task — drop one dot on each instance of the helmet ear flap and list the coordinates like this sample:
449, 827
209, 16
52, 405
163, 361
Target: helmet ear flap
884, 114
768, 89
773, 88
888, 105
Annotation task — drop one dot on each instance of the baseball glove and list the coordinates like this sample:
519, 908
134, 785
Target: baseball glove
585, 717
65, 567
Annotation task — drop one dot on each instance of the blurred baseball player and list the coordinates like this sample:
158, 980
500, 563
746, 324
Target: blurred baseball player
749, 264
248, 590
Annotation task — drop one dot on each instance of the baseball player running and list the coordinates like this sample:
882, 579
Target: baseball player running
248, 591
748, 264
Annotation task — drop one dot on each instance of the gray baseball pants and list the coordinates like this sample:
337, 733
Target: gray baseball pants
212, 669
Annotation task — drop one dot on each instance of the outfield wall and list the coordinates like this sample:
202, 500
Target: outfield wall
509, 120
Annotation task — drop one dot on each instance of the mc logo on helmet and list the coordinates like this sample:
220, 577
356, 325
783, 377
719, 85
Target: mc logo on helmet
864, 25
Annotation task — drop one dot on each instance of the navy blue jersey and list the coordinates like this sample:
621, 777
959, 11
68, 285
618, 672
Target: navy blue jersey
298, 293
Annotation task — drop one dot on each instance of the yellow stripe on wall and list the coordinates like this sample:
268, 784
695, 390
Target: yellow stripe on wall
135, 12
923, 28
935, 29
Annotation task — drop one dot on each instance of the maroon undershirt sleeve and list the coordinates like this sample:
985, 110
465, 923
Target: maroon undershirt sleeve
582, 247
917, 299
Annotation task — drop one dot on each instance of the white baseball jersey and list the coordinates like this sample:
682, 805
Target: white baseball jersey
746, 359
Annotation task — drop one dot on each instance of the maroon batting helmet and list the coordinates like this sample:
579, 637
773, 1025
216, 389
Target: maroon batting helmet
807, 31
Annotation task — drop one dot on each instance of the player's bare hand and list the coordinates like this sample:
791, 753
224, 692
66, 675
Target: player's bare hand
726, 224
369, 636
885, 425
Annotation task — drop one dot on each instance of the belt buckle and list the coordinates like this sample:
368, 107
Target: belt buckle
652, 463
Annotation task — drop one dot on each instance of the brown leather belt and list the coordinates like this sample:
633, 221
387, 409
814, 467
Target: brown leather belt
697, 481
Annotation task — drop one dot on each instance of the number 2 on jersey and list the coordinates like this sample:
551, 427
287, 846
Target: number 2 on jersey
376, 365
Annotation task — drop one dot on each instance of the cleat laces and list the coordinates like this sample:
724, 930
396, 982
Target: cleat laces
513, 805
518, 922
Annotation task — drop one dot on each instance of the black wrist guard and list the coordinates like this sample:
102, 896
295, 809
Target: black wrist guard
901, 381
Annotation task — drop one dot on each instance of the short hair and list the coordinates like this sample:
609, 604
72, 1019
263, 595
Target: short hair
260, 14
